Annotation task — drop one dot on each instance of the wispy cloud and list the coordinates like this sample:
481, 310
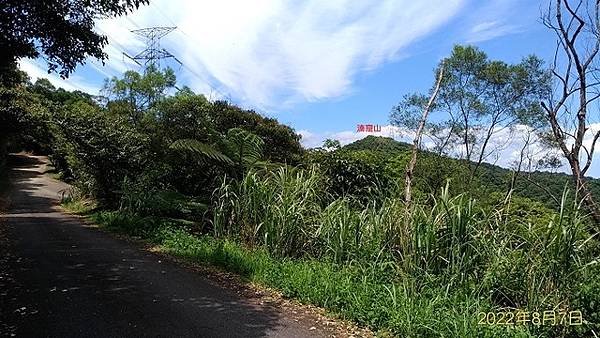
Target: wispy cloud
120, 40
488, 20
37, 70
489, 30
267, 52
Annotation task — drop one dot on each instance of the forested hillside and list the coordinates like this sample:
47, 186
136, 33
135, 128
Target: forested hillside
541, 186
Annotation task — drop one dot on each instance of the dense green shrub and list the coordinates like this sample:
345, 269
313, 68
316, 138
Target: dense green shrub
144, 198
282, 144
358, 175
101, 151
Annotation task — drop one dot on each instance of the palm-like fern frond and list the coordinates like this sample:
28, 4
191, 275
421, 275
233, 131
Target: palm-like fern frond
240, 149
202, 149
244, 147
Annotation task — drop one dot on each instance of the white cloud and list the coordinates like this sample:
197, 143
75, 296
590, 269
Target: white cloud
269, 52
489, 30
120, 41
74, 82
310, 140
496, 18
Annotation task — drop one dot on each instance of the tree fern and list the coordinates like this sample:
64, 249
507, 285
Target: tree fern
203, 149
245, 147
239, 148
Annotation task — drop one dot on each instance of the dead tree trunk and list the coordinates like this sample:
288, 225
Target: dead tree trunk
417, 143
578, 32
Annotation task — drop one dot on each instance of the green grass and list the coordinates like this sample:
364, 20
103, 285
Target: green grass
364, 294
432, 279
78, 206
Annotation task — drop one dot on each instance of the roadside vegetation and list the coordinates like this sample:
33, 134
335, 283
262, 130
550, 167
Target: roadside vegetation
457, 262
333, 226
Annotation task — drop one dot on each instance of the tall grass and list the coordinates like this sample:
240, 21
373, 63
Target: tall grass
277, 209
429, 280
453, 248
283, 211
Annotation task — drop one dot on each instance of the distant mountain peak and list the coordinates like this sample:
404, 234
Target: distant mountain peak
378, 143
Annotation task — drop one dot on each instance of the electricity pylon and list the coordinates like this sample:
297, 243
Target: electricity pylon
153, 53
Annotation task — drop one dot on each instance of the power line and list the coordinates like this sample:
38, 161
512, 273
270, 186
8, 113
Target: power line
153, 53
132, 22
158, 9
100, 68
110, 38
116, 45
201, 78
161, 12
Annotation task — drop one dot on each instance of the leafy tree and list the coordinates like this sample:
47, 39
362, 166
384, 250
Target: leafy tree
60, 30
46, 89
432, 172
184, 115
239, 150
101, 150
21, 119
478, 99
359, 175
10, 75
330, 144
282, 144
135, 93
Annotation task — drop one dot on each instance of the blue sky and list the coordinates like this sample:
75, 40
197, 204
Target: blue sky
321, 67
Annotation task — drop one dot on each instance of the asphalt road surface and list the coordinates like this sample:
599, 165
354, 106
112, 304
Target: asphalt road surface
62, 278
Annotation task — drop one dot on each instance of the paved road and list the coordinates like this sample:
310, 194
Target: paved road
61, 278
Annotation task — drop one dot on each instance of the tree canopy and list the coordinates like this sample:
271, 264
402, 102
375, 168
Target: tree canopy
60, 30
478, 98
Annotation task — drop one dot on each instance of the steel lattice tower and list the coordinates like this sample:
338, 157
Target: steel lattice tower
153, 53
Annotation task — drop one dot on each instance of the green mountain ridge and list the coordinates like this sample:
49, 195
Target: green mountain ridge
536, 185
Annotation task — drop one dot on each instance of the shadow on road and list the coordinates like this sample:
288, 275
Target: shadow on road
24, 161
59, 277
